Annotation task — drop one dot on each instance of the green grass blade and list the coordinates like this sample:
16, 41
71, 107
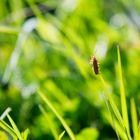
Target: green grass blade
25, 134
112, 102
112, 117
61, 135
120, 130
50, 86
15, 127
4, 114
67, 128
8, 129
122, 95
134, 119
54, 132
114, 107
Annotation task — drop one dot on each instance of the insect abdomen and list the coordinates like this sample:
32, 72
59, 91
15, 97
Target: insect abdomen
95, 65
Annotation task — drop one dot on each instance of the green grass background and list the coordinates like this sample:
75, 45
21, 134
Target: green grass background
47, 45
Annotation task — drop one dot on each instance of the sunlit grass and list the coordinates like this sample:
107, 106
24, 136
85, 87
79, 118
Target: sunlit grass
11, 132
122, 121
53, 47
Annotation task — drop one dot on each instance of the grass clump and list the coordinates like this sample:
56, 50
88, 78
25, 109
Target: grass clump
120, 119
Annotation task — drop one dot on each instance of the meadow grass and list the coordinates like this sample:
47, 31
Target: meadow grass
119, 120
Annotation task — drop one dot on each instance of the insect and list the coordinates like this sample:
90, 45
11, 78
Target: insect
95, 65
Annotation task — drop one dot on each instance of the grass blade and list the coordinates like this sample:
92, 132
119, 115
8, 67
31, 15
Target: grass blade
112, 102
122, 96
134, 119
4, 114
4, 126
67, 128
15, 127
61, 135
25, 134
112, 117
54, 132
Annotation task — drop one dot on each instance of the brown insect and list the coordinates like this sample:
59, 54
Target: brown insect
95, 65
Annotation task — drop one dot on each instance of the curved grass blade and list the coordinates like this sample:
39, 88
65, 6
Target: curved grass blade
67, 128
61, 135
50, 124
7, 130
112, 102
5, 113
17, 132
112, 116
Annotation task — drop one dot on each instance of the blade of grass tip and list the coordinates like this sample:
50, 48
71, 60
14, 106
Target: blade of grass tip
54, 132
67, 128
5, 113
17, 132
122, 94
61, 135
25, 134
134, 119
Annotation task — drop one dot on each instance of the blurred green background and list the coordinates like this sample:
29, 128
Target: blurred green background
47, 44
